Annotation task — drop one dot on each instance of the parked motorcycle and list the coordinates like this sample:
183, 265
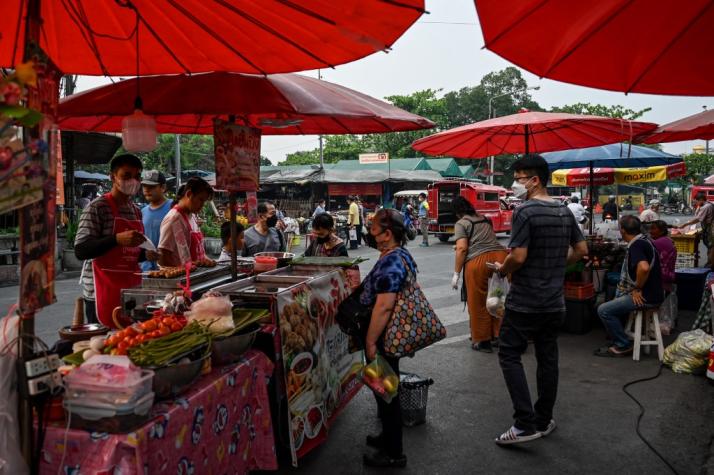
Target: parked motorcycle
676, 208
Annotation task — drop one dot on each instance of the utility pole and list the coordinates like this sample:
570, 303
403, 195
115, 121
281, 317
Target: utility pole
177, 158
707, 142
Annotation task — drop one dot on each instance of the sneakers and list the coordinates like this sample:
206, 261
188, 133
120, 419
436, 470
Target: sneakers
424, 244
515, 436
381, 459
550, 428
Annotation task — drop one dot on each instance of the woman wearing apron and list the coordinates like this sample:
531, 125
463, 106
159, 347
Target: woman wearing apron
109, 233
181, 240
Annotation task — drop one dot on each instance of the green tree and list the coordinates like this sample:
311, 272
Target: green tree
617, 111
265, 161
699, 166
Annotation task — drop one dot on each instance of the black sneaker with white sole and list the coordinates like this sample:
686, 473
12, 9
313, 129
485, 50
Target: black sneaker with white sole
550, 428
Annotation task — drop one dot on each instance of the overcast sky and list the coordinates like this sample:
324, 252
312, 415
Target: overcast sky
443, 50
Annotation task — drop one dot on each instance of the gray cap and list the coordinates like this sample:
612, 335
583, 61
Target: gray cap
655, 203
153, 177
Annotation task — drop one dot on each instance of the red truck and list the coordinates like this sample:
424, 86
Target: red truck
707, 190
488, 200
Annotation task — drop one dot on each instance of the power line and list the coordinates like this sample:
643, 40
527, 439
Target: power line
290, 146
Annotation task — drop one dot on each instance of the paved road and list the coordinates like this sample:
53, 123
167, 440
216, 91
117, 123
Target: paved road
469, 404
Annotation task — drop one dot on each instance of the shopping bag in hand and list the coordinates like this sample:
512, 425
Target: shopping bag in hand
496, 298
353, 234
381, 379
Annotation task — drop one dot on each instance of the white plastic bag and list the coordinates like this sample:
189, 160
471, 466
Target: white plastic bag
689, 352
353, 234
496, 298
214, 311
668, 313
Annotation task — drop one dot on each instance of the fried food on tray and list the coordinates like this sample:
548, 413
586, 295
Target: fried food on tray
205, 262
167, 272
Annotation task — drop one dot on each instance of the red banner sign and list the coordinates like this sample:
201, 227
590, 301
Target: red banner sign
361, 189
237, 154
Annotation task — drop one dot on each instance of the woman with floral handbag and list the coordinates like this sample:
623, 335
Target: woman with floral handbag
386, 289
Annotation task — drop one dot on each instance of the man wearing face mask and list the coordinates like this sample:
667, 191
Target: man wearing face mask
108, 237
544, 231
263, 236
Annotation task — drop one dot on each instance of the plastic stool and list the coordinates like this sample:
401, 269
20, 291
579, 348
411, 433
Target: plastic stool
634, 328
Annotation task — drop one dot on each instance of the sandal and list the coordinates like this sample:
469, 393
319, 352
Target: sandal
510, 437
482, 346
612, 352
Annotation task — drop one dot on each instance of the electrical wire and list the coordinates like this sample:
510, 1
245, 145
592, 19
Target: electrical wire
64, 443
641, 415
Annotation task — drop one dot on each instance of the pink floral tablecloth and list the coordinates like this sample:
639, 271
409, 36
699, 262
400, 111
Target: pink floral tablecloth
222, 425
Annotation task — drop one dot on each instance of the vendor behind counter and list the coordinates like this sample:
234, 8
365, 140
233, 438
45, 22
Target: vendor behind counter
181, 239
108, 237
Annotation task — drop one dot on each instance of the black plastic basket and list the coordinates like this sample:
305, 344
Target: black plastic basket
413, 396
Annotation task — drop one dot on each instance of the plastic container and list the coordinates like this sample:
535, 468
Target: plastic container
685, 243
690, 286
413, 397
578, 290
579, 316
265, 264
116, 395
98, 417
685, 260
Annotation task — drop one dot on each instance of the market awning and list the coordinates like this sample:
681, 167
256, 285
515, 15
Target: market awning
622, 176
82, 175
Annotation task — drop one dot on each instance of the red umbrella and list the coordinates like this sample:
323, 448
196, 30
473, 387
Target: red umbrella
697, 126
529, 132
279, 104
267, 36
646, 46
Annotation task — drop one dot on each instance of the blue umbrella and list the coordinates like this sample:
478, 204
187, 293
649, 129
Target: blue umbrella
613, 156
617, 155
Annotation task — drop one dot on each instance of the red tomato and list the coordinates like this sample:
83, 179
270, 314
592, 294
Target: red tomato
176, 326
121, 352
164, 330
122, 346
167, 321
155, 334
140, 339
150, 325
130, 331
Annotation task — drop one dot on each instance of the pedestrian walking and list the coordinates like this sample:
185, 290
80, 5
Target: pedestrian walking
543, 232
353, 222
380, 287
476, 245
423, 215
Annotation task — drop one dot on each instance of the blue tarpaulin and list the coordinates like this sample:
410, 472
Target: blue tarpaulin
611, 156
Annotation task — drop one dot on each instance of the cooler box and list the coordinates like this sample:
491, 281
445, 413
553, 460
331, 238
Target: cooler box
690, 286
579, 316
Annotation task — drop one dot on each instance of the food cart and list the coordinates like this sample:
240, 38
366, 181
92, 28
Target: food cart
316, 375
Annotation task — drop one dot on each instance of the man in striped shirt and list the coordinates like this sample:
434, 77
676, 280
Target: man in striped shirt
544, 239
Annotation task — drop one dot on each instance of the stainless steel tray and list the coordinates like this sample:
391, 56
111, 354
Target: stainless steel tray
202, 274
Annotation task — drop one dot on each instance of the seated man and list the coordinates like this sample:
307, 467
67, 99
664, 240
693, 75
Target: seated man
640, 286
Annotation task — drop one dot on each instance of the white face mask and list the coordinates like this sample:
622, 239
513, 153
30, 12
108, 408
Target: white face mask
519, 190
129, 187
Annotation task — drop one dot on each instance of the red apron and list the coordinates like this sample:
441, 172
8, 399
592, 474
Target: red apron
117, 269
196, 242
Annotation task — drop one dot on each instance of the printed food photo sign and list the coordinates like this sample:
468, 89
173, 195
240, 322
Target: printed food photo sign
322, 376
237, 155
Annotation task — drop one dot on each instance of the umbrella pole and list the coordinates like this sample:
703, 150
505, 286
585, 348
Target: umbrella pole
592, 199
526, 141
234, 235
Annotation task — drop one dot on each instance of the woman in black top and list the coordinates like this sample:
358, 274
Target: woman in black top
325, 242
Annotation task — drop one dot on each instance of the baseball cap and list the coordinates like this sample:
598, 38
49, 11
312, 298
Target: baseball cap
153, 177
655, 202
